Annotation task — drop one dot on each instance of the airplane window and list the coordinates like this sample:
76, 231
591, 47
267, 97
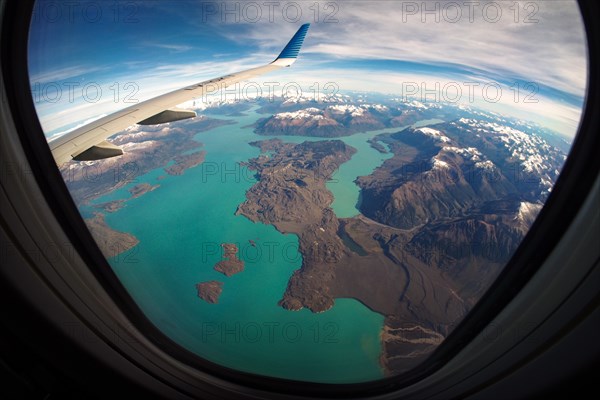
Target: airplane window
330, 222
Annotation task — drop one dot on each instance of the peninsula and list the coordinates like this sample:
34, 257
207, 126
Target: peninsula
110, 241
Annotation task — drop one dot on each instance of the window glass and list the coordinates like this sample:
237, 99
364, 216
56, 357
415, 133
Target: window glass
328, 222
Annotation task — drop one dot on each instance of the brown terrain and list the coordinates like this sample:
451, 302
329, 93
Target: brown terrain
422, 273
231, 264
187, 161
136, 191
291, 195
111, 206
111, 242
141, 189
210, 291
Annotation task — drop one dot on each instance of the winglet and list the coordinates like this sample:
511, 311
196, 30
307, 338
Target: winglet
290, 52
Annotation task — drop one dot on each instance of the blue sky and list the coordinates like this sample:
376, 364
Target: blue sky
145, 48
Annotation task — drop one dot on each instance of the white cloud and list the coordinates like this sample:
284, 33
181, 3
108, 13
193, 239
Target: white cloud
175, 48
143, 85
549, 52
84, 123
60, 74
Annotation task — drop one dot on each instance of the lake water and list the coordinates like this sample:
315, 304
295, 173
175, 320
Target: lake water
180, 227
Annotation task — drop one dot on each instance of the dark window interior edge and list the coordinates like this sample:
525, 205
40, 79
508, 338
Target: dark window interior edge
571, 189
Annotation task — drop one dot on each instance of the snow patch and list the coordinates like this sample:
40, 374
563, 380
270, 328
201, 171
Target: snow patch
342, 109
308, 113
434, 133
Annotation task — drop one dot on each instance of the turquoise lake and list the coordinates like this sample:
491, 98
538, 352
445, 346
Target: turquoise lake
180, 227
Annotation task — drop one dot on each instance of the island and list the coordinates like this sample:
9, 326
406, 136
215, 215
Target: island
141, 189
210, 291
136, 191
230, 264
376, 144
111, 206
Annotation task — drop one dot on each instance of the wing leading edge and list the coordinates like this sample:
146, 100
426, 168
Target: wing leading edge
89, 142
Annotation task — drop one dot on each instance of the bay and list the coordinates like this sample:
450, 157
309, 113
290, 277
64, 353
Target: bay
180, 227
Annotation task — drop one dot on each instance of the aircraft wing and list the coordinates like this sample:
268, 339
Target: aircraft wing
89, 142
